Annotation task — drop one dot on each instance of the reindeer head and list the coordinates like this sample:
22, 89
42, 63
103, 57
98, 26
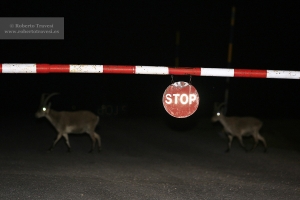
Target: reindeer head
218, 111
44, 107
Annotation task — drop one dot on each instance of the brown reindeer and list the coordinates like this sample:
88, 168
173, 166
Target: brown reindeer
69, 122
239, 127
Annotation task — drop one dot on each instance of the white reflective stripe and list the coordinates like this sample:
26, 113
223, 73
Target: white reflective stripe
283, 74
217, 72
151, 70
180, 84
18, 68
86, 68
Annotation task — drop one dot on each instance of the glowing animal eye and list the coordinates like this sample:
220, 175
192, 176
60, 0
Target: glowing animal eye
44, 109
218, 114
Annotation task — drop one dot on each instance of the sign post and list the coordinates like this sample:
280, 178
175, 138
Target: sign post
181, 99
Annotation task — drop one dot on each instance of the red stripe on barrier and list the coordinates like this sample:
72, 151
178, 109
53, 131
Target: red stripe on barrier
119, 69
0, 68
250, 73
185, 71
48, 68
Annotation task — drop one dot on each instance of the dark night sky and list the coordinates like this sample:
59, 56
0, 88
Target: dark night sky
143, 33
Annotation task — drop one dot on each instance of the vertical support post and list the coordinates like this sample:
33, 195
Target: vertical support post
229, 56
177, 43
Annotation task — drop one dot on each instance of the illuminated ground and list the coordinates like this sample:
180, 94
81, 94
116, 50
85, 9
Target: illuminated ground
147, 158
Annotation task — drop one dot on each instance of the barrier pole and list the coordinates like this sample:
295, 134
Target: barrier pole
148, 70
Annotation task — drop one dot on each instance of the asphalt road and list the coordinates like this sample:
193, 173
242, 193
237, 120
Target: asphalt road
146, 158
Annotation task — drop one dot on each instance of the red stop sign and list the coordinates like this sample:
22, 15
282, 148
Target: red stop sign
181, 99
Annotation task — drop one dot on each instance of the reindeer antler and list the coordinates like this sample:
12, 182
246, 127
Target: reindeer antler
218, 106
44, 100
221, 105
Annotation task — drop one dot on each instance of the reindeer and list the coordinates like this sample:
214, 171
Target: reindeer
69, 122
239, 127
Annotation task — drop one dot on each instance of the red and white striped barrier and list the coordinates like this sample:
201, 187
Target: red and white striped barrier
154, 70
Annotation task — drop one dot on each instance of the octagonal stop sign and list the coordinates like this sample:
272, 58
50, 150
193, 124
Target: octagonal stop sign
181, 99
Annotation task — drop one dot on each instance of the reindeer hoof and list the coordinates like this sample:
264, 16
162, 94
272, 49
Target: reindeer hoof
265, 151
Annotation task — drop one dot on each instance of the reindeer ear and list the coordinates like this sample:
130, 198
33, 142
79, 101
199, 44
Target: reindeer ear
221, 106
215, 106
48, 105
222, 110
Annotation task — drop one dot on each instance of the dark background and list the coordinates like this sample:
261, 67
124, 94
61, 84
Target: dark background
156, 157
143, 33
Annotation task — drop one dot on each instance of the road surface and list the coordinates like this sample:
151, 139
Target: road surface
146, 158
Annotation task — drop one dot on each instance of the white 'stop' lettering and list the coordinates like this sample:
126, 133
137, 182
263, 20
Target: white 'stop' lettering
181, 98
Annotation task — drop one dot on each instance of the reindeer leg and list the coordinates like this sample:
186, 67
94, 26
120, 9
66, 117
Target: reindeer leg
98, 140
55, 141
230, 137
67, 141
261, 138
241, 142
93, 141
255, 137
